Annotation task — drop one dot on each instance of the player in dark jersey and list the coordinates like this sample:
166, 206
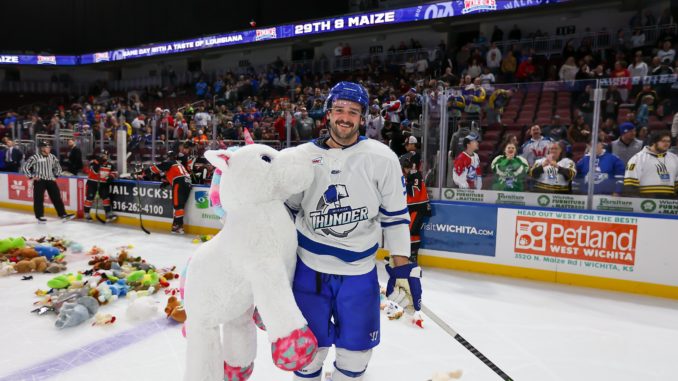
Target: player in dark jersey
174, 174
418, 203
99, 176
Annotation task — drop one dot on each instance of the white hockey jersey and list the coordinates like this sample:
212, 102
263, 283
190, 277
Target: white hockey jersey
651, 174
357, 192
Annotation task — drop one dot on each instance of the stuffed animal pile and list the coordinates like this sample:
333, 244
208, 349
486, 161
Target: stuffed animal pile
77, 297
21, 256
249, 263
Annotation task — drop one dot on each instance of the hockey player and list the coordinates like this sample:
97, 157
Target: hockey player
418, 204
653, 172
99, 177
358, 192
466, 172
174, 174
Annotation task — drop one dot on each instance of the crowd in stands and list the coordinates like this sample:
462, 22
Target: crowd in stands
521, 128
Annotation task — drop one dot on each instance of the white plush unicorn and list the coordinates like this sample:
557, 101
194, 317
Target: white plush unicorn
249, 263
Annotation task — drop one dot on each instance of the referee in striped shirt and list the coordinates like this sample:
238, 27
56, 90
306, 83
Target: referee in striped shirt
43, 168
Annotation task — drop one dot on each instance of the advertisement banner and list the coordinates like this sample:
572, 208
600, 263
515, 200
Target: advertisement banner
600, 242
20, 188
461, 229
560, 201
636, 205
198, 211
433, 11
155, 201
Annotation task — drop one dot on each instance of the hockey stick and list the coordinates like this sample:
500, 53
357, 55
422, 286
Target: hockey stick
436, 319
136, 180
96, 208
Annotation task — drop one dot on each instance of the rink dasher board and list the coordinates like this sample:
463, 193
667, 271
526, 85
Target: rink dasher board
608, 250
156, 203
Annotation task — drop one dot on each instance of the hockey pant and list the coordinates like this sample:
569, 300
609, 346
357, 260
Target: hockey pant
104, 195
181, 189
416, 223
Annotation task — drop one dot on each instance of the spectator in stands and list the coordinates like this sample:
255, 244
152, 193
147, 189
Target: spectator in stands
638, 38
374, 123
608, 176
667, 51
392, 135
201, 88
622, 43
475, 96
638, 68
487, 79
509, 169
462, 57
621, 72
13, 157
554, 172
474, 69
536, 147
508, 67
647, 96
230, 132
498, 100
422, 64
305, 125
585, 105
449, 77
515, 33
466, 173
627, 145
608, 130
568, 71
72, 163
613, 99
526, 71
674, 126
653, 172
579, 131
493, 58
556, 131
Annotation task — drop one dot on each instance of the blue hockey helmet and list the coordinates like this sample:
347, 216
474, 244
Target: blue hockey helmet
349, 91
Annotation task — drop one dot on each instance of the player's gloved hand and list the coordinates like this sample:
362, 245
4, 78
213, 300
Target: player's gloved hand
404, 285
164, 184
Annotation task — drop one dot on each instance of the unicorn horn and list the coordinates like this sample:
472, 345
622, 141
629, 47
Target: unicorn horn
248, 137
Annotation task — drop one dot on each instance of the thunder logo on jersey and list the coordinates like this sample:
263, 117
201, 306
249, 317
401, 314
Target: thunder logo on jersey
334, 219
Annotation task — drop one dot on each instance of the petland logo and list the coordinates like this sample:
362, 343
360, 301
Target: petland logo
266, 34
584, 240
47, 60
101, 57
471, 6
201, 200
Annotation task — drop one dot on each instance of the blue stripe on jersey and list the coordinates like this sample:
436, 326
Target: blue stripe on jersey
393, 223
343, 254
392, 214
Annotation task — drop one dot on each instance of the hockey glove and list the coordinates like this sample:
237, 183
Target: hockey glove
404, 285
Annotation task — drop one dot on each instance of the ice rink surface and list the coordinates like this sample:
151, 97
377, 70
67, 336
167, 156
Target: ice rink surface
532, 330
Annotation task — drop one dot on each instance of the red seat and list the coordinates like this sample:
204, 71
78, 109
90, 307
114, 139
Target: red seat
492, 135
487, 145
